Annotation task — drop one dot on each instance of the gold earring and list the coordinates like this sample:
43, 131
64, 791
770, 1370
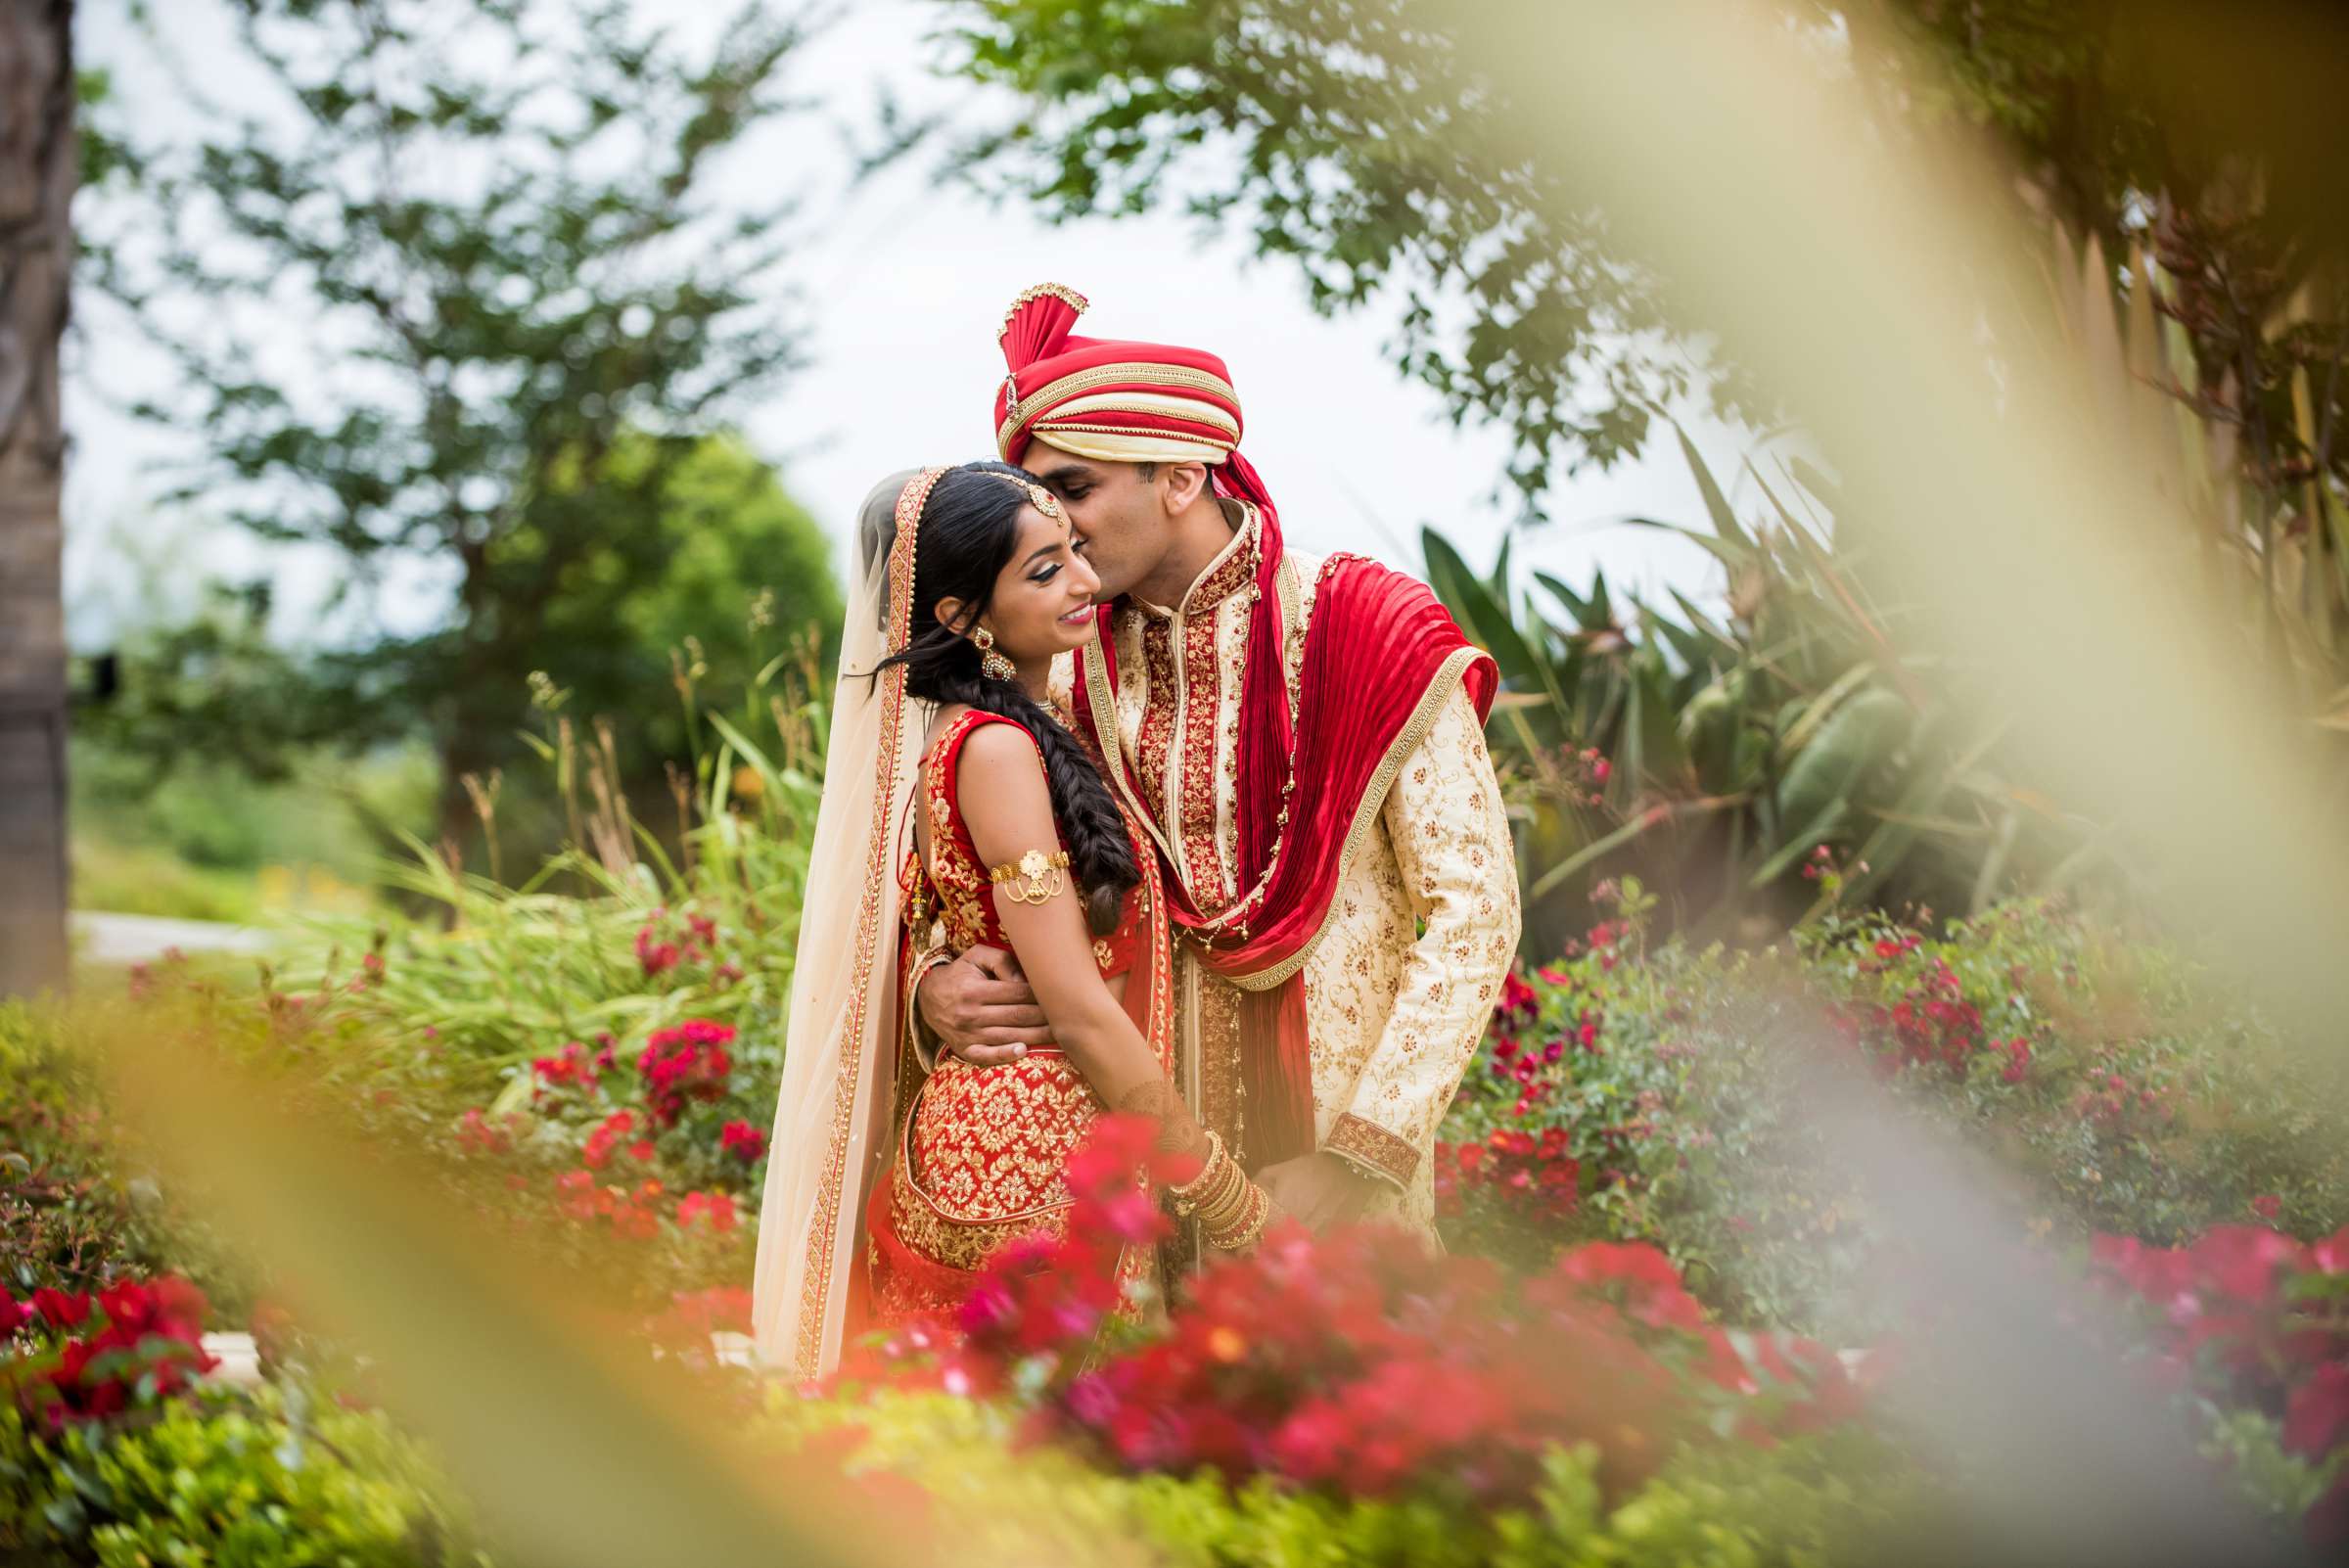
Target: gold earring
992, 664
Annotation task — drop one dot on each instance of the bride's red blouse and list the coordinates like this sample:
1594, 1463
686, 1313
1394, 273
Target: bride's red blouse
981, 1150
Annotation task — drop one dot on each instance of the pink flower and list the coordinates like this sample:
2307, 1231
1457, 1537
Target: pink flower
742, 1140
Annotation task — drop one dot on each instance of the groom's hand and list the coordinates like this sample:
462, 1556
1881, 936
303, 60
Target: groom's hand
981, 1009
1320, 1188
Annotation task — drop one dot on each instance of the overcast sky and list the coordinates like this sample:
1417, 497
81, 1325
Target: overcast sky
905, 278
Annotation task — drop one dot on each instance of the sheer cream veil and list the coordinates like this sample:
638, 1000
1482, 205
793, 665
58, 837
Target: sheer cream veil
832, 1134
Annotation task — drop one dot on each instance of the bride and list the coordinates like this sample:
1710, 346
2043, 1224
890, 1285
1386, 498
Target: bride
888, 1188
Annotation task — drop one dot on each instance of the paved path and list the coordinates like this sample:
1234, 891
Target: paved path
128, 939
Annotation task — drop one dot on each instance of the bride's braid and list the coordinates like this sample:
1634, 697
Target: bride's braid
967, 533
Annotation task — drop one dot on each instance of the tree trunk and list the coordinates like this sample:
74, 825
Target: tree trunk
39, 158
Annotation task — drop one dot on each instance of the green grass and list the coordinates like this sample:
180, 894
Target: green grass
198, 841
145, 880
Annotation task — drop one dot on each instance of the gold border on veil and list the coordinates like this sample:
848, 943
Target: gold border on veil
824, 1234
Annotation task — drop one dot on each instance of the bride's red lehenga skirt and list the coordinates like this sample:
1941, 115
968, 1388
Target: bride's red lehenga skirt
979, 1165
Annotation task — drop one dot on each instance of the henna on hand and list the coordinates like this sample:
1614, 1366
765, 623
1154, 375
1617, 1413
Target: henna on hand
1179, 1132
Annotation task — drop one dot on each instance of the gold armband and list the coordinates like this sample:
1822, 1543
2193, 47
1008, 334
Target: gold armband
1035, 877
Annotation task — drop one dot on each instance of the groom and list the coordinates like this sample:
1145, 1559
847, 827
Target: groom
1304, 738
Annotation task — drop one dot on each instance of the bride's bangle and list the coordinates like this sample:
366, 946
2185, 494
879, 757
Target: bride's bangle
1256, 1210
1215, 1170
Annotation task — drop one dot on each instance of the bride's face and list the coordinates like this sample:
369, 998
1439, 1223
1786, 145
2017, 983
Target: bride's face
1043, 599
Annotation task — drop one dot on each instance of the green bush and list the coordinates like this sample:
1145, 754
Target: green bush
76, 1213
256, 1479
2117, 1086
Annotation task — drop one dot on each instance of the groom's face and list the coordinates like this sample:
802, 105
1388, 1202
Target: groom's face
1119, 514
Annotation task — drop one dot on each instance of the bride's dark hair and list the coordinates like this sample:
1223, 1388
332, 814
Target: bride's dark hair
968, 529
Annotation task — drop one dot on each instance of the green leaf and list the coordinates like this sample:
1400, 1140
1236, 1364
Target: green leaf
1815, 712
1858, 736
1815, 481
1717, 504
1578, 607
1484, 617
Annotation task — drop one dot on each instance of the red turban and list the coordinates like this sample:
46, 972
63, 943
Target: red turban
1122, 403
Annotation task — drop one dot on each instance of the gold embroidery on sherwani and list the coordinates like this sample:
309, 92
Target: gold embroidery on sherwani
1154, 742
1195, 810
1209, 1028
1367, 1143
1175, 710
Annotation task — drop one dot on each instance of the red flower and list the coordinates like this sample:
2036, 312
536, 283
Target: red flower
688, 1062
655, 957
2018, 1061
2242, 1260
716, 1210
2315, 1420
2332, 1255
2266, 1206
145, 1343
742, 1140
58, 1310
596, 1153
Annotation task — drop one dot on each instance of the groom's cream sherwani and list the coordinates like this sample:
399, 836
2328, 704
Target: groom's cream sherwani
1424, 922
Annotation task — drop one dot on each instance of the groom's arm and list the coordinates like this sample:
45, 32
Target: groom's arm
1451, 834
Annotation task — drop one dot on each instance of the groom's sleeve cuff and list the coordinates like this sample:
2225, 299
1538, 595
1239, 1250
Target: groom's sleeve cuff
1372, 1149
